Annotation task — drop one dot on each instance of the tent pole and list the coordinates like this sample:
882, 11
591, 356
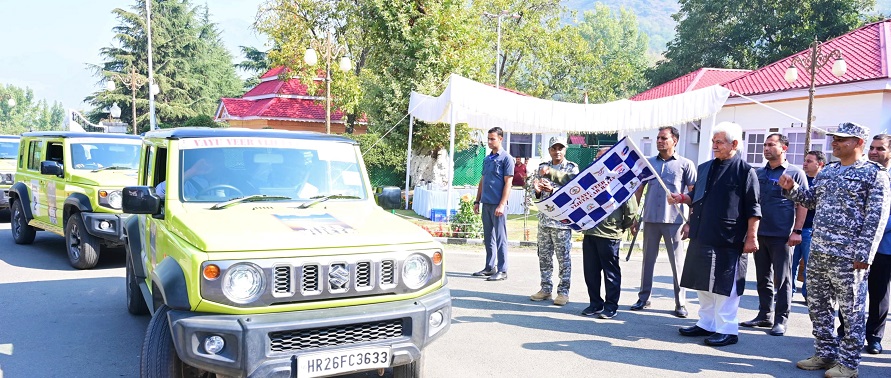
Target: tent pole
411, 124
450, 184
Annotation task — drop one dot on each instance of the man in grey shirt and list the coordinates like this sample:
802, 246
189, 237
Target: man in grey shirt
662, 221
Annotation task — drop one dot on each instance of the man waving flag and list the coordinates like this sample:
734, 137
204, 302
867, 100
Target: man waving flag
599, 189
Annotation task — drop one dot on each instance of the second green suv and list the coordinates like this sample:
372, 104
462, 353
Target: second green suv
69, 183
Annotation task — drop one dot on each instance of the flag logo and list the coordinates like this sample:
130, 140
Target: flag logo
599, 189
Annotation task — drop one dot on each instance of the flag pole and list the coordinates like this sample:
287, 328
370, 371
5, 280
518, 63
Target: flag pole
658, 178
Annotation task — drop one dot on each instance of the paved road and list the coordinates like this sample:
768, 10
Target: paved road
57, 321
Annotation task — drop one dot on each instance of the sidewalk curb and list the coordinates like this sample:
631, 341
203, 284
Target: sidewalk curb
516, 243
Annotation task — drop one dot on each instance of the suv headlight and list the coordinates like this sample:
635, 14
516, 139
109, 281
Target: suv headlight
7, 178
243, 283
416, 271
110, 198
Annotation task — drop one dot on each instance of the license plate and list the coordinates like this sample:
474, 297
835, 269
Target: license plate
342, 361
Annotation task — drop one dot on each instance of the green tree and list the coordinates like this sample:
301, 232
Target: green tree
28, 114
191, 66
751, 34
620, 54
256, 63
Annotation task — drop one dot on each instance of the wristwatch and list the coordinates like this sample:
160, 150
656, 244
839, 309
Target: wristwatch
797, 231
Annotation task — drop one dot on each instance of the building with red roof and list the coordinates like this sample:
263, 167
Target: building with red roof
282, 104
762, 102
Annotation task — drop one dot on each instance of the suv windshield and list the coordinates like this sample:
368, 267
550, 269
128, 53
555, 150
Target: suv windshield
92, 156
9, 149
286, 168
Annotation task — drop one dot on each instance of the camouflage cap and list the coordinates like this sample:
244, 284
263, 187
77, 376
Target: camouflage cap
556, 140
850, 129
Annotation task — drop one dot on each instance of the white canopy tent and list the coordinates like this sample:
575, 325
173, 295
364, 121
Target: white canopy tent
482, 107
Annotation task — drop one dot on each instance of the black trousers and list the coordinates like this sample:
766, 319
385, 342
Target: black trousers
602, 255
879, 277
773, 270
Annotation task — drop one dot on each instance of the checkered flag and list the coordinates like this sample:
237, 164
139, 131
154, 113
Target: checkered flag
599, 189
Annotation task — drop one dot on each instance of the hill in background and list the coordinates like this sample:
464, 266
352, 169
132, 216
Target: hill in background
654, 16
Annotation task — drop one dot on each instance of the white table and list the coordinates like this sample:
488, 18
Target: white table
424, 200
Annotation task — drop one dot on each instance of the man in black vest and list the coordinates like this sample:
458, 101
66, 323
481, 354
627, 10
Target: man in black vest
724, 218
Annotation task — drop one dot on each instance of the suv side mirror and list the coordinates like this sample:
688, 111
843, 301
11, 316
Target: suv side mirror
49, 167
140, 200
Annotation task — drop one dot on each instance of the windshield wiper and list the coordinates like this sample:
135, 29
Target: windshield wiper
251, 198
320, 199
111, 167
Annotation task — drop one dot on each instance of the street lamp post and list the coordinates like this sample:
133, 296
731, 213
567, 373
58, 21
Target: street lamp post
329, 50
134, 81
500, 16
814, 61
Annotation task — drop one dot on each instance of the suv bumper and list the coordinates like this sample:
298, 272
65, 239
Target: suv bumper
106, 226
249, 341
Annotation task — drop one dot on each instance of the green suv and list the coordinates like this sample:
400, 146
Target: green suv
9, 148
262, 253
69, 183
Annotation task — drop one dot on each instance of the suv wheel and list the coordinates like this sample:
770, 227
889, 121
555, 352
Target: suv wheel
83, 248
412, 370
159, 358
22, 233
135, 302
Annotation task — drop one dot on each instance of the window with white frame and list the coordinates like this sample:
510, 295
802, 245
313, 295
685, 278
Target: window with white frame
754, 148
795, 153
520, 145
646, 146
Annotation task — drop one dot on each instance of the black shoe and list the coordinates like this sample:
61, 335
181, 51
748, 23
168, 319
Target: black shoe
500, 276
720, 339
681, 312
757, 322
607, 314
778, 330
640, 305
591, 311
484, 273
694, 331
874, 347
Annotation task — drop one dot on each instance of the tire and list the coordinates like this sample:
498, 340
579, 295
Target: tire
83, 248
412, 370
135, 302
159, 358
22, 233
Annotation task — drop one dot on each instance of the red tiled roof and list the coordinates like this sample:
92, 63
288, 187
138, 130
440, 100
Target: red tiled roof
701, 78
865, 51
273, 72
291, 87
278, 108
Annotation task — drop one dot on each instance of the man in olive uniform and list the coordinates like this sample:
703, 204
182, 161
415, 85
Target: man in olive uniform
851, 198
554, 238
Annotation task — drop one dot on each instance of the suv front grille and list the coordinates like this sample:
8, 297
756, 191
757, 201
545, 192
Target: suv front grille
303, 339
333, 280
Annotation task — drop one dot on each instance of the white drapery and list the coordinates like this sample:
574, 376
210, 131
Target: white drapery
482, 107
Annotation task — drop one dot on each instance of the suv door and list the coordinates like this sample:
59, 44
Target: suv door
52, 187
31, 177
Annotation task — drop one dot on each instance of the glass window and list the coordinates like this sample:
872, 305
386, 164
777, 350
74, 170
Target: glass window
9, 149
296, 169
92, 156
646, 146
795, 153
755, 147
35, 155
520, 145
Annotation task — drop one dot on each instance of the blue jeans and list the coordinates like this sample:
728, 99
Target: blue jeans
800, 255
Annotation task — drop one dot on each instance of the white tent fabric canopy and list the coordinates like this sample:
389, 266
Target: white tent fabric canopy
482, 107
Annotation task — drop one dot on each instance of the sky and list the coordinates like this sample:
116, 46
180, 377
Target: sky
46, 45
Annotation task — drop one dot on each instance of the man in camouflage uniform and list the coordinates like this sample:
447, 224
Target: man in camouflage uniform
554, 238
851, 198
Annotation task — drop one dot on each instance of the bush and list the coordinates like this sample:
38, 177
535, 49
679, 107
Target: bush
465, 223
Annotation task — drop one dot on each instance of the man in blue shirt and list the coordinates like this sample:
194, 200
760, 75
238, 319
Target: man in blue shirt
813, 163
493, 192
779, 231
880, 271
